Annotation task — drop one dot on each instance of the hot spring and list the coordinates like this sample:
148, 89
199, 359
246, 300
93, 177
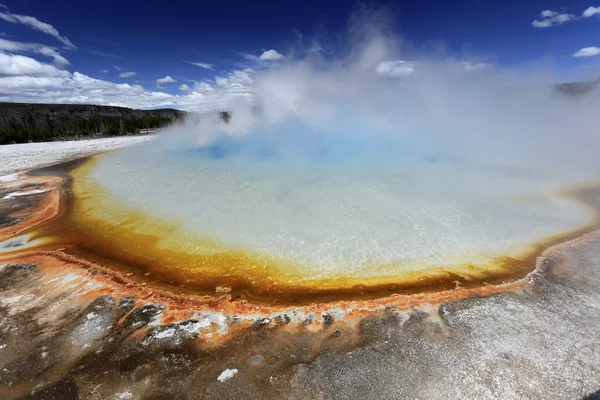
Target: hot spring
245, 213
337, 178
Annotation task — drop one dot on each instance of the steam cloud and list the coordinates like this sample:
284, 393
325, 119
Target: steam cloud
369, 107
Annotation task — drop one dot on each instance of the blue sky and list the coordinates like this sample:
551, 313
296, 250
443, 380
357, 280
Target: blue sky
51, 47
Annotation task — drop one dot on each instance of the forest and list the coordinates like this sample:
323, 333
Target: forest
23, 123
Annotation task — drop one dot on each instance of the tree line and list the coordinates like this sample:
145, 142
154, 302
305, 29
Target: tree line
21, 123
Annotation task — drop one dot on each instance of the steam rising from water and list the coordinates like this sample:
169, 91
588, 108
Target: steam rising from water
369, 166
368, 106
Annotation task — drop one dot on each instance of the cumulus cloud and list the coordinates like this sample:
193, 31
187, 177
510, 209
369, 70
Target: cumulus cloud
127, 74
12, 46
24, 79
203, 87
590, 12
201, 65
36, 24
270, 55
166, 79
77, 88
219, 93
588, 52
219, 81
549, 18
12, 64
235, 79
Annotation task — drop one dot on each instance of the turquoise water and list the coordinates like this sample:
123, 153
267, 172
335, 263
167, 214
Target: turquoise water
335, 207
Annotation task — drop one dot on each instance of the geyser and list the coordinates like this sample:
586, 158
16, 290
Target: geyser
341, 175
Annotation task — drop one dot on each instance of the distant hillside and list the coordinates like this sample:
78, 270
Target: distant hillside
22, 123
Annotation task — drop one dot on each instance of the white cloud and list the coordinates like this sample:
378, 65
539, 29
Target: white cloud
78, 88
12, 64
36, 24
203, 86
201, 65
220, 81
205, 96
590, 12
270, 55
588, 52
395, 68
548, 18
9, 45
166, 79
127, 74
24, 79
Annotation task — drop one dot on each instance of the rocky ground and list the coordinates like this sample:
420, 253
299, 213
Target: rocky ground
537, 343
